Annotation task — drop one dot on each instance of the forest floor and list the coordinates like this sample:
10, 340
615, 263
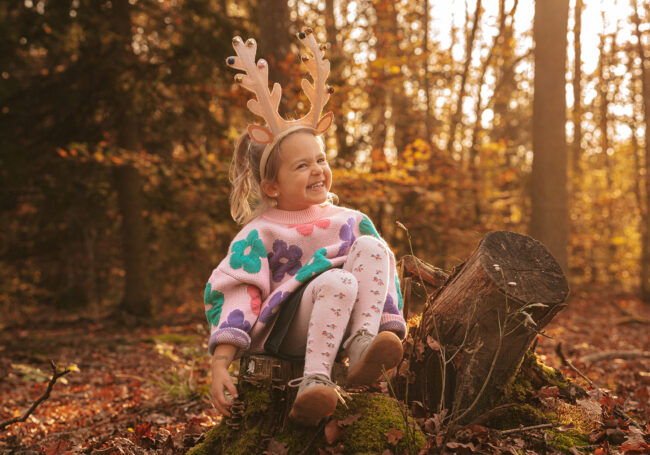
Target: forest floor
145, 390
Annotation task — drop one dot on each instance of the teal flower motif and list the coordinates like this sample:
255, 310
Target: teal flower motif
367, 228
250, 260
400, 299
214, 298
317, 264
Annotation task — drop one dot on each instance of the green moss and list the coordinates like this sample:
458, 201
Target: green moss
379, 414
564, 440
519, 414
210, 442
257, 400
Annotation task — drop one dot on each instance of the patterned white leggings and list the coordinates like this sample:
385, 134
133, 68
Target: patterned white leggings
340, 302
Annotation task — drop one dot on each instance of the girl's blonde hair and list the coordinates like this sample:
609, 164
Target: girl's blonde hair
247, 200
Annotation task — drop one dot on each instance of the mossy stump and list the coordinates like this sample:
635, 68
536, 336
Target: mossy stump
260, 417
477, 326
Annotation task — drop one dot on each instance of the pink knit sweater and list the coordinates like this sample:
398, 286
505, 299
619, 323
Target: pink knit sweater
271, 257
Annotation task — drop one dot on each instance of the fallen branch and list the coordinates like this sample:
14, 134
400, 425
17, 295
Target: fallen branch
570, 364
55, 376
609, 355
492, 413
630, 317
534, 427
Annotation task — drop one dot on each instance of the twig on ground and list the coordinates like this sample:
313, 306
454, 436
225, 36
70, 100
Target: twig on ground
492, 413
570, 364
630, 317
318, 432
55, 376
609, 355
533, 427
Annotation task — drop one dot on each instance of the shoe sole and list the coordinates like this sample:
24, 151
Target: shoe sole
384, 351
313, 404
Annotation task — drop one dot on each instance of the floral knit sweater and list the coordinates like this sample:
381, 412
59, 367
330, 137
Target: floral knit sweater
271, 257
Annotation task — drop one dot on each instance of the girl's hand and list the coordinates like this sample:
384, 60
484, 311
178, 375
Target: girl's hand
221, 380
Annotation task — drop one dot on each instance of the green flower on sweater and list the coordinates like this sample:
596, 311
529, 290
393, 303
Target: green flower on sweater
249, 260
215, 299
367, 228
317, 264
400, 299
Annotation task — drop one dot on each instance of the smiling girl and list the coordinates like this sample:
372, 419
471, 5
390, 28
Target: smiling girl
322, 267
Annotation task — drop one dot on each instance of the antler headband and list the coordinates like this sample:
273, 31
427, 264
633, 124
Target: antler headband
256, 79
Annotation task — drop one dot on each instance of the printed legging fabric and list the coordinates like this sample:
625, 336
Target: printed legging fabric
340, 302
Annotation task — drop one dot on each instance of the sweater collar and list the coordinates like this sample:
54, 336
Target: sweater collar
309, 215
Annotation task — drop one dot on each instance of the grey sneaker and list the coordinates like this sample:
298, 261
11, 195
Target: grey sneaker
368, 354
316, 398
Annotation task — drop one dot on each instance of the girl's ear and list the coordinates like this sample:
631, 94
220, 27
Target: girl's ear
270, 188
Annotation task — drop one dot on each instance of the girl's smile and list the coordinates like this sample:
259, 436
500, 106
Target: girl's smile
304, 177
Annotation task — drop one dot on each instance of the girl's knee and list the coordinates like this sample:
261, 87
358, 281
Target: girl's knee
370, 244
338, 283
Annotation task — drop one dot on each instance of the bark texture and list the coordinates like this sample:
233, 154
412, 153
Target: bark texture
476, 329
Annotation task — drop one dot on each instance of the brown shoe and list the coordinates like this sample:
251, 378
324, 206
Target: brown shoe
316, 399
368, 355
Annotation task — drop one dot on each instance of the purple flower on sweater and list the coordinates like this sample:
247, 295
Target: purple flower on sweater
273, 306
347, 235
389, 305
284, 259
236, 320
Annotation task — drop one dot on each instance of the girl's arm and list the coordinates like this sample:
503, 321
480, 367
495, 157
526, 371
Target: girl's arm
221, 380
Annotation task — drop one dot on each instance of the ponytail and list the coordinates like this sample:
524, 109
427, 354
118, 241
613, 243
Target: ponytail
241, 176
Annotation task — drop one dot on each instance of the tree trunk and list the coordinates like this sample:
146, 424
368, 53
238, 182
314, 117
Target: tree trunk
469, 45
136, 298
549, 218
127, 179
645, 224
477, 327
274, 43
577, 90
344, 152
474, 148
428, 116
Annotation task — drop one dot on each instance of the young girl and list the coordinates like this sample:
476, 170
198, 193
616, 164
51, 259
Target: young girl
296, 243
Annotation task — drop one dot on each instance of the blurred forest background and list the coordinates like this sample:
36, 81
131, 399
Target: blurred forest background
118, 120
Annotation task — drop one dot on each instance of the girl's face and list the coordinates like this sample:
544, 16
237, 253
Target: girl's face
304, 177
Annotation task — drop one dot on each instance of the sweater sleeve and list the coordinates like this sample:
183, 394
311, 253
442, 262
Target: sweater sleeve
391, 318
235, 290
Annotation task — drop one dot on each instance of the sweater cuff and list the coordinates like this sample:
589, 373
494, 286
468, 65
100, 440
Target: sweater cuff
393, 323
230, 335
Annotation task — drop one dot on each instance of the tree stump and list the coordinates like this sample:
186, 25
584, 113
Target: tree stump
476, 328
259, 422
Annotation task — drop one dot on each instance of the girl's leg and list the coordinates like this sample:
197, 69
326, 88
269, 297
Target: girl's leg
317, 329
369, 262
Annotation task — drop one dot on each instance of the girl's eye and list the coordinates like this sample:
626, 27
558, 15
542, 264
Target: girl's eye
322, 160
301, 166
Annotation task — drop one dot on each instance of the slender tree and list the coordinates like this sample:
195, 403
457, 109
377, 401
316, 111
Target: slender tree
469, 46
577, 88
549, 218
645, 224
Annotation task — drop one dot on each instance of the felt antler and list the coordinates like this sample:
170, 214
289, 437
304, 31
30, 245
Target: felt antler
266, 104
